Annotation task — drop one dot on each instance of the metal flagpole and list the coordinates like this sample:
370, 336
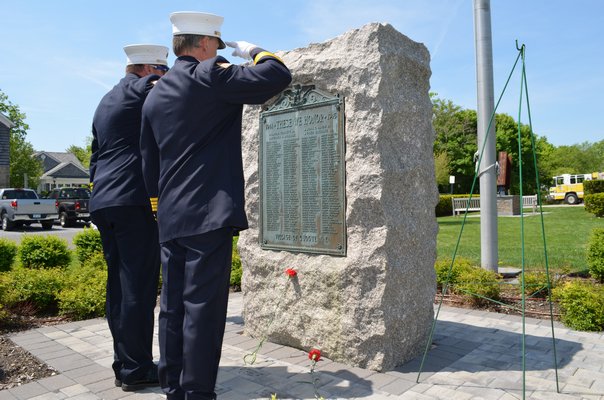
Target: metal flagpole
486, 134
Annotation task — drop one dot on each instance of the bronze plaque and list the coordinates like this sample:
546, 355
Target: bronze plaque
302, 173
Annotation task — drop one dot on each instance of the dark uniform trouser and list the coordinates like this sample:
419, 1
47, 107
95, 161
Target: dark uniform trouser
131, 247
196, 272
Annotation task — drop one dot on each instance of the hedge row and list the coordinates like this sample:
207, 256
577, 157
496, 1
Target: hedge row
581, 302
594, 203
444, 207
593, 187
45, 282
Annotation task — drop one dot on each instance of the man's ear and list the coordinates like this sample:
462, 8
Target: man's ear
203, 43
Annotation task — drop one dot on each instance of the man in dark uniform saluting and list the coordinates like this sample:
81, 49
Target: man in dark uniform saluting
121, 209
191, 147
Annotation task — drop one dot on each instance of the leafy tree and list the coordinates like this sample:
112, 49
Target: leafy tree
456, 137
82, 153
580, 158
441, 168
21, 151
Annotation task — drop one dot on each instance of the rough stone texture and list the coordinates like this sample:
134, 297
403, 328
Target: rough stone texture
372, 308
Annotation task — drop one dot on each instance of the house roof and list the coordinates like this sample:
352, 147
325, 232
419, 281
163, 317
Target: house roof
5, 121
68, 165
66, 170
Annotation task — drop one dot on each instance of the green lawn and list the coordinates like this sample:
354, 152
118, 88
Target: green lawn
567, 231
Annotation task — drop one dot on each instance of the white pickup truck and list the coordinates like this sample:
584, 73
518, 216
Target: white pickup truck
23, 207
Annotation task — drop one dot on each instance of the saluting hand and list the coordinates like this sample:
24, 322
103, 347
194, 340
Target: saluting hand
242, 49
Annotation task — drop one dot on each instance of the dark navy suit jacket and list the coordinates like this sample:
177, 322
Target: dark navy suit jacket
115, 164
191, 141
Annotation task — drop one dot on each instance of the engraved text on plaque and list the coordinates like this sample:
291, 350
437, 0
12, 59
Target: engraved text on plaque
302, 173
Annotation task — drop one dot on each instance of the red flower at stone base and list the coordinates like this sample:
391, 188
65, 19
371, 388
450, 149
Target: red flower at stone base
291, 272
314, 355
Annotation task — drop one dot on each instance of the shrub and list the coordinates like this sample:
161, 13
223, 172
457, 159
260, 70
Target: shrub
31, 290
535, 284
471, 281
87, 242
8, 251
593, 187
44, 252
479, 285
236, 269
84, 297
3, 314
442, 271
444, 206
595, 254
594, 203
96, 261
582, 305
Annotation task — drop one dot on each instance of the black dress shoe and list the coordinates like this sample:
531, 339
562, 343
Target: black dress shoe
148, 380
117, 382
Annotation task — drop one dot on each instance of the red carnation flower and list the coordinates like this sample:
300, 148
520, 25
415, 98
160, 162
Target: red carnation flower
314, 354
291, 272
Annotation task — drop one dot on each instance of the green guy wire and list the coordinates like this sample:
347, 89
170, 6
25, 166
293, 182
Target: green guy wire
547, 275
523, 89
465, 216
522, 230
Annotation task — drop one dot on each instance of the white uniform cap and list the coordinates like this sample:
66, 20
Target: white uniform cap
197, 23
146, 54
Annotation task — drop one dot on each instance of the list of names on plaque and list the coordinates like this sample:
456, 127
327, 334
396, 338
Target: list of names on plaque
303, 179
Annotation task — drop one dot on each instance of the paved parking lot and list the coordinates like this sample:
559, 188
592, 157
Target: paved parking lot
35, 229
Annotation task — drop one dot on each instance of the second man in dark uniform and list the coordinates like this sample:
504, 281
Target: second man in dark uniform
121, 209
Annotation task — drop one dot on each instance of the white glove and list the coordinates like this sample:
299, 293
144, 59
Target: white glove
242, 49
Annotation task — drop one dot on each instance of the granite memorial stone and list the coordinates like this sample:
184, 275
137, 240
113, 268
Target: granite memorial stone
372, 306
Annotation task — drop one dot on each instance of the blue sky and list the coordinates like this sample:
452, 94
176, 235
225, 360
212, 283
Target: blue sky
58, 58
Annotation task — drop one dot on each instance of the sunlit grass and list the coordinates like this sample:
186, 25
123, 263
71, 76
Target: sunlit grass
567, 231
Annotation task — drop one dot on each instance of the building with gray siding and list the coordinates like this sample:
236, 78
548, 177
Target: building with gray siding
5, 125
61, 170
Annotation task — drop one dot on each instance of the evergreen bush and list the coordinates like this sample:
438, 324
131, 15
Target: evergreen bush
593, 187
535, 284
84, 296
595, 254
8, 251
466, 279
582, 305
594, 203
87, 243
236, 269
33, 291
442, 271
479, 285
444, 206
44, 252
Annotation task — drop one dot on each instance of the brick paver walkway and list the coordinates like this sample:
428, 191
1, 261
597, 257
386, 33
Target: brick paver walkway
476, 355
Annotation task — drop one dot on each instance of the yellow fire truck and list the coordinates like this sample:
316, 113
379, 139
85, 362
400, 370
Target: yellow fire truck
569, 187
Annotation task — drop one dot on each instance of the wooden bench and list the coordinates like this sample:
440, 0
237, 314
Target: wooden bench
461, 203
530, 201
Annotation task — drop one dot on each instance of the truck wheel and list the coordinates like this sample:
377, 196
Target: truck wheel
46, 225
571, 199
64, 219
7, 225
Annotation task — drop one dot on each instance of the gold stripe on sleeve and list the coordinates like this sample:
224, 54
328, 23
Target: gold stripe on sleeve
263, 54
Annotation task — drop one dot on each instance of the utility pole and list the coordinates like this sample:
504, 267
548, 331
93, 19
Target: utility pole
486, 135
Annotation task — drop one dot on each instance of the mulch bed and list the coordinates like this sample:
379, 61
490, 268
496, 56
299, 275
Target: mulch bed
17, 366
